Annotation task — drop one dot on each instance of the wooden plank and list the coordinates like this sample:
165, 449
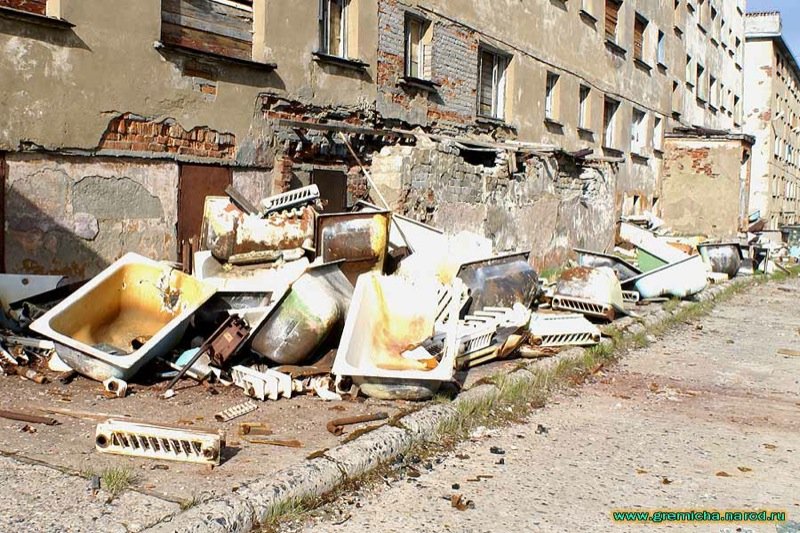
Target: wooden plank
788, 353
234, 18
204, 6
206, 42
243, 33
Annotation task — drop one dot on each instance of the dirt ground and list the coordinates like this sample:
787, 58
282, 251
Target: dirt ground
704, 419
69, 446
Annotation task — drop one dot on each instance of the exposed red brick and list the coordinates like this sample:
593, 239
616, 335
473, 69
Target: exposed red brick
140, 135
39, 7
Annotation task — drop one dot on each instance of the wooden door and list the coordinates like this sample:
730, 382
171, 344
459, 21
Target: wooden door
194, 184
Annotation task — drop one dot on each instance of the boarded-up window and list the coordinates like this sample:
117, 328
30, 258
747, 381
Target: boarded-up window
221, 27
492, 84
639, 27
38, 7
612, 18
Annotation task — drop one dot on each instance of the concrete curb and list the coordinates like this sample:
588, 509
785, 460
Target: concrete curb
242, 511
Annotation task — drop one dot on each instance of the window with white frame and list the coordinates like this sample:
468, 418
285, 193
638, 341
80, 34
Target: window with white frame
689, 71
551, 96
584, 117
333, 27
418, 48
492, 84
638, 139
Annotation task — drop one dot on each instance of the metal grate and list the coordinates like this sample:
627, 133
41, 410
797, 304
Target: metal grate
236, 411
294, 198
585, 307
158, 442
631, 297
554, 330
266, 385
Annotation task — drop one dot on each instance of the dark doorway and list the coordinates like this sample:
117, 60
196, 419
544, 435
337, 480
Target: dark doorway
332, 189
194, 184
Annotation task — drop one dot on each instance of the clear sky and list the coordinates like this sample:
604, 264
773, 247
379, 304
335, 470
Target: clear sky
790, 9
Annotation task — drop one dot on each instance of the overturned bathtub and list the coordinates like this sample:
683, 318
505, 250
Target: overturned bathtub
135, 310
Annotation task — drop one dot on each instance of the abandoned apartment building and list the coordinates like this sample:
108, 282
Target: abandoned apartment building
536, 124
773, 116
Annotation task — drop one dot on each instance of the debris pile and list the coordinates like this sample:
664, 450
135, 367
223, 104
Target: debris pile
282, 299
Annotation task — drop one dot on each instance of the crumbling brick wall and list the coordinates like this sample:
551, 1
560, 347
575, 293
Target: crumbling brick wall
545, 204
38, 7
449, 107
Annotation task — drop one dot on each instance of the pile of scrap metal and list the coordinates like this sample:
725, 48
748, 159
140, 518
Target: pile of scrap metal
284, 299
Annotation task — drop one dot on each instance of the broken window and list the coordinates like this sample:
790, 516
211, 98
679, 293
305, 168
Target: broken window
658, 133
492, 84
612, 18
418, 48
639, 30
610, 108
637, 131
584, 120
661, 50
551, 97
219, 27
37, 7
333, 27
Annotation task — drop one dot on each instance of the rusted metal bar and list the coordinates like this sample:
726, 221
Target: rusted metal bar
336, 426
31, 375
241, 202
285, 443
25, 417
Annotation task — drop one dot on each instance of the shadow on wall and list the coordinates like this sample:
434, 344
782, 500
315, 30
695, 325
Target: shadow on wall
36, 243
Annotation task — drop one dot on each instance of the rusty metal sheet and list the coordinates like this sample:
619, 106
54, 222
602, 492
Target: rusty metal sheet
360, 239
590, 291
228, 231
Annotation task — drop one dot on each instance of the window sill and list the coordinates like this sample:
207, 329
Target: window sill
183, 50
690, 85
701, 101
553, 122
714, 42
641, 65
615, 49
587, 17
355, 64
638, 157
658, 152
586, 131
421, 84
33, 18
702, 28
493, 121
678, 32
613, 152
662, 67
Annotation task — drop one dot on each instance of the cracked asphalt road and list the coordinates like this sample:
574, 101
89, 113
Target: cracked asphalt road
705, 418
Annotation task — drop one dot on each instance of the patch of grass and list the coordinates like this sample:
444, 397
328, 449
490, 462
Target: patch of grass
116, 480
286, 511
191, 502
671, 305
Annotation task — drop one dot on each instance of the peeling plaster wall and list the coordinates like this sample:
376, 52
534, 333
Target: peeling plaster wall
74, 216
548, 207
705, 191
